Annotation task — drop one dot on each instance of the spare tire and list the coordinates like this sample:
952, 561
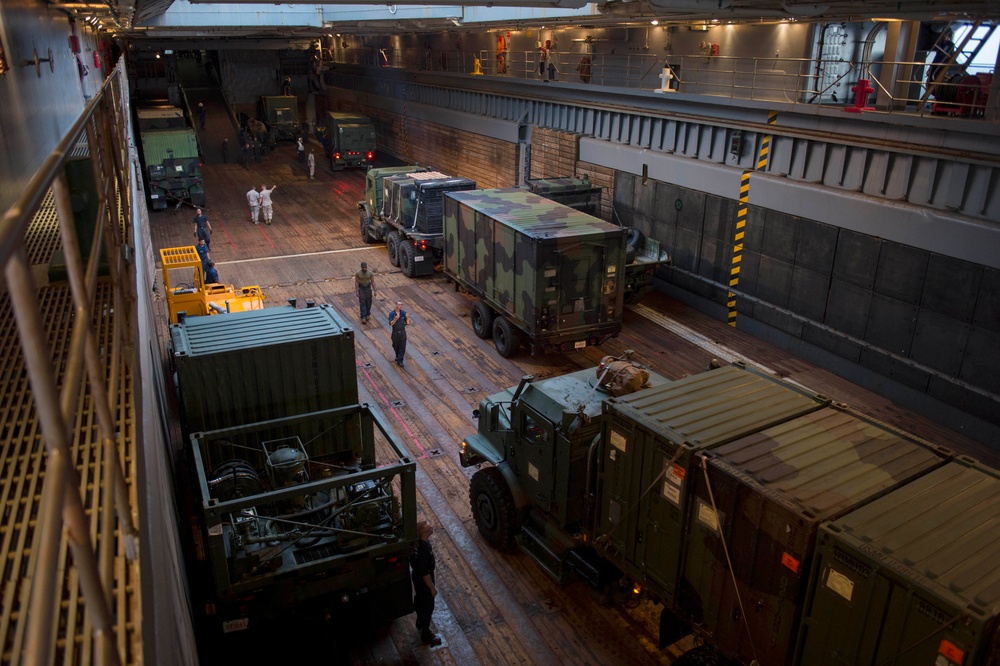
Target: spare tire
634, 240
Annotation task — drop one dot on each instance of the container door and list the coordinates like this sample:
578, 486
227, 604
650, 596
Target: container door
579, 284
502, 258
620, 471
538, 445
660, 530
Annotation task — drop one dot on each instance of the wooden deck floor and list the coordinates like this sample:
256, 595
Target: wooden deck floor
493, 608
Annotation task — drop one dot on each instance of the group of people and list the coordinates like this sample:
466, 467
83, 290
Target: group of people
203, 232
261, 202
399, 319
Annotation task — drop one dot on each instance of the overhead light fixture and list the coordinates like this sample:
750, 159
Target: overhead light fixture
655, 22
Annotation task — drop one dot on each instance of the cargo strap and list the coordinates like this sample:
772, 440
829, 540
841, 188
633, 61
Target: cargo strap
725, 549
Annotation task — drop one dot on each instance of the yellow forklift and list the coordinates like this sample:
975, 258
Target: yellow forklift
184, 285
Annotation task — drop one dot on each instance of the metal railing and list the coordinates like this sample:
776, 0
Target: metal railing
898, 86
59, 382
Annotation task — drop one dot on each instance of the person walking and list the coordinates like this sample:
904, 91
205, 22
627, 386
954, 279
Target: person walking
211, 275
364, 285
202, 228
253, 198
203, 253
202, 113
399, 320
311, 161
424, 587
265, 202
301, 148
247, 155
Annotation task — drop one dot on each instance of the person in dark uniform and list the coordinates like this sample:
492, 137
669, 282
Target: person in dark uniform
424, 588
202, 250
364, 283
202, 113
399, 320
202, 228
211, 275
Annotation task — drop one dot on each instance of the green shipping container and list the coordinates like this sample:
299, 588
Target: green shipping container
576, 193
260, 365
912, 578
554, 272
766, 495
650, 439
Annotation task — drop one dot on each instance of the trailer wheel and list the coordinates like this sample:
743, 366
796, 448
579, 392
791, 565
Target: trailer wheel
493, 508
405, 256
392, 245
482, 319
366, 234
506, 337
633, 240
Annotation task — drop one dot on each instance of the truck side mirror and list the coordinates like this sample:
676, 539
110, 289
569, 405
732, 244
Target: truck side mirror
494, 417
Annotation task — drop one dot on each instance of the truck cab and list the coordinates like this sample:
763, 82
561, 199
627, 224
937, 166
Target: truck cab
537, 444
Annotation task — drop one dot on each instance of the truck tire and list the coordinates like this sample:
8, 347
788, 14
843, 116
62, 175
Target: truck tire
633, 241
506, 337
482, 317
493, 508
392, 245
405, 256
366, 230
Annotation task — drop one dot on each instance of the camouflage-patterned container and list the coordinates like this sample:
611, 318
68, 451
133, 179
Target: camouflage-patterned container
766, 495
254, 366
551, 272
578, 193
912, 578
650, 440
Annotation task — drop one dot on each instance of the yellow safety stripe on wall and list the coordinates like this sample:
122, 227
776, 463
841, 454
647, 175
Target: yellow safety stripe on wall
741, 219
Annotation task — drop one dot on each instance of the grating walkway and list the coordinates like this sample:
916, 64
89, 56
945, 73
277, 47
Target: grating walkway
22, 472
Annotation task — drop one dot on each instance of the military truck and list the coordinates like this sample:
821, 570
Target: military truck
171, 160
281, 114
305, 498
541, 272
348, 140
372, 212
412, 220
713, 495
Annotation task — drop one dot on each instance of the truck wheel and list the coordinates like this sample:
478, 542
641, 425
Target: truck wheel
506, 337
392, 245
405, 255
482, 319
366, 233
493, 508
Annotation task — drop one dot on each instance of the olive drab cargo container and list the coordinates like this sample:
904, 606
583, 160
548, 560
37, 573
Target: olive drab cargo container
541, 269
576, 193
265, 364
651, 439
911, 578
300, 514
754, 511
348, 139
281, 113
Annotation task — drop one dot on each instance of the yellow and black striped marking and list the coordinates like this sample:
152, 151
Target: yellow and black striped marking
741, 219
